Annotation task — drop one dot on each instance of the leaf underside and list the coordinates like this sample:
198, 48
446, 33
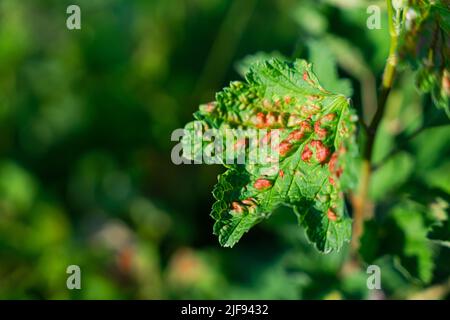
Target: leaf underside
315, 149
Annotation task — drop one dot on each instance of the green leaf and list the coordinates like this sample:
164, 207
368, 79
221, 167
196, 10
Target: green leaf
417, 255
230, 229
309, 162
426, 44
325, 68
403, 235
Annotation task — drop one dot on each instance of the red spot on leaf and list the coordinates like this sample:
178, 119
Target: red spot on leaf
210, 107
271, 119
284, 148
328, 117
322, 151
266, 138
306, 154
313, 97
332, 163
236, 207
331, 215
308, 110
305, 76
293, 120
240, 143
281, 173
260, 120
249, 202
296, 135
321, 133
305, 126
287, 100
262, 184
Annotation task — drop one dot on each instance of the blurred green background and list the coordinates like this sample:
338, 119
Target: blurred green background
86, 176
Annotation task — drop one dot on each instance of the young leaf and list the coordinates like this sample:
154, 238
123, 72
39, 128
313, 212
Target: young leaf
311, 132
426, 44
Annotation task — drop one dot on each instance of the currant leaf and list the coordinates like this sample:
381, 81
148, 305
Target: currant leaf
311, 132
425, 44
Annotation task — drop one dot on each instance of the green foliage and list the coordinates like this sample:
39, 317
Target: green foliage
402, 234
425, 44
317, 144
324, 64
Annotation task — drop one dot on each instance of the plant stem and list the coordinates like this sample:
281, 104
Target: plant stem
361, 198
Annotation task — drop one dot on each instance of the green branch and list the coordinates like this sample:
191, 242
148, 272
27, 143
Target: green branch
361, 198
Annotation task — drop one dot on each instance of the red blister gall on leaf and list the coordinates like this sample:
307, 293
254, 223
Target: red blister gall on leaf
311, 124
210, 107
236, 207
296, 135
306, 126
322, 154
314, 97
240, 143
287, 99
332, 164
293, 120
310, 110
331, 215
260, 120
249, 202
321, 151
277, 103
306, 154
271, 136
327, 118
266, 138
321, 133
284, 148
262, 184
271, 119
305, 76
